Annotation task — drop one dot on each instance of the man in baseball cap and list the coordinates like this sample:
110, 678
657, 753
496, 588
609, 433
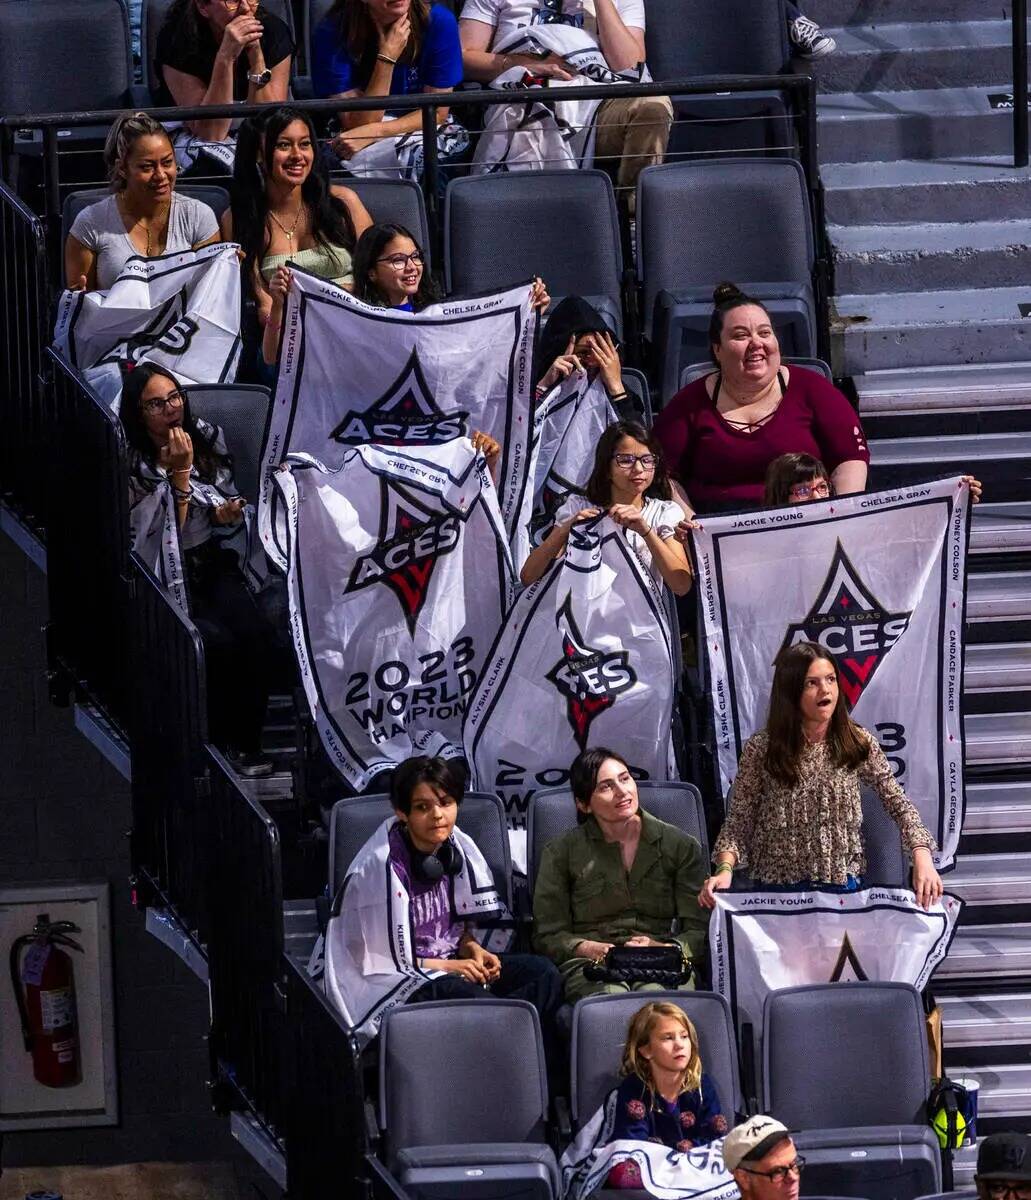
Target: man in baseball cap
1004, 1167
762, 1158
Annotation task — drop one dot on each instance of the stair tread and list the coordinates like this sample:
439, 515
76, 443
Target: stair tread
975, 867
995, 586
980, 387
887, 105
932, 449
895, 310
905, 172
903, 36
1000, 526
923, 238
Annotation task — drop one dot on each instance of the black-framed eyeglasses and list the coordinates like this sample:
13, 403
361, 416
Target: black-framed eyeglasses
779, 1174
626, 461
1001, 1189
160, 403
400, 261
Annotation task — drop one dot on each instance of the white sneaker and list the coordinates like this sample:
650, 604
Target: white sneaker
809, 40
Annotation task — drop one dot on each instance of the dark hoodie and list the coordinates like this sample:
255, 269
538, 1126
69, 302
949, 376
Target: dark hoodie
570, 317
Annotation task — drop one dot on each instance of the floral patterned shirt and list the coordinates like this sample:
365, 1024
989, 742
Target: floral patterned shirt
693, 1119
813, 832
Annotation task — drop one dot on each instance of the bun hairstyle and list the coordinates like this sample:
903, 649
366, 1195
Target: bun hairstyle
726, 296
121, 137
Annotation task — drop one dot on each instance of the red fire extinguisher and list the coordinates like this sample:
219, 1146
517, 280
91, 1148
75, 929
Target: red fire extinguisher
44, 987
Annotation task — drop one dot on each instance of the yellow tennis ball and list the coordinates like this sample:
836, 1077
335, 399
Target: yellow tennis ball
941, 1128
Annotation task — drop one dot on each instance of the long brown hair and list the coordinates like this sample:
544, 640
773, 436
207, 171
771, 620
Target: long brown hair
846, 745
642, 1025
358, 34
599, 487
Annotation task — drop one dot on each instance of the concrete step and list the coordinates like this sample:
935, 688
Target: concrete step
1000, 528
999, 596
1005, 1089
923, 54
986, 1020
868, 12
904, 258
986, 951
887, 331
924, 123
924, 390
999, 806
1005, 667
998, 737
912, 190
991, 879
1002, 458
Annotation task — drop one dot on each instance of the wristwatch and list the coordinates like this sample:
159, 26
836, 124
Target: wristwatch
259, 78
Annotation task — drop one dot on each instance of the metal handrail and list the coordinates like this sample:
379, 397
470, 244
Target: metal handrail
1020, 91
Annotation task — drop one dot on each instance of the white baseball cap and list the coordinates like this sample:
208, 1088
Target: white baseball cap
752, 1140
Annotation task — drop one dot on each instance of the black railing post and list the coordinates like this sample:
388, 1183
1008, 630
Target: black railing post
52, 202
431, 183
1020, 131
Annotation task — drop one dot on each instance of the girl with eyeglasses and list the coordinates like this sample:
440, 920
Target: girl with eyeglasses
796, 479
630, 483
390, 270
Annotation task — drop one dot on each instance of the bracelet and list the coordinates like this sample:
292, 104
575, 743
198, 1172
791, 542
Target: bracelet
619, 395
383, 58
724, 866
182, 497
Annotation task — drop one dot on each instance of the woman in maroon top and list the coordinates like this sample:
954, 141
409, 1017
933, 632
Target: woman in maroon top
720, 433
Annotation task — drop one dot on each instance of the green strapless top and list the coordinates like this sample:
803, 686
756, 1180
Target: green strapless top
327, 262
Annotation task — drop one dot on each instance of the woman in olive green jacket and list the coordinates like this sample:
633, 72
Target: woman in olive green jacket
622, 877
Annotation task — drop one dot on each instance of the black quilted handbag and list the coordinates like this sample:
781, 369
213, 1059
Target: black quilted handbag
664, 965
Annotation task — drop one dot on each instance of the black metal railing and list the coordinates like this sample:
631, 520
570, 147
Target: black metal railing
245, 949
172, 844
24, 301
86, 512
1020, 91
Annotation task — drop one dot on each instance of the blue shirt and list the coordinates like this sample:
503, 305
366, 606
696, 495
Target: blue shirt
439, 64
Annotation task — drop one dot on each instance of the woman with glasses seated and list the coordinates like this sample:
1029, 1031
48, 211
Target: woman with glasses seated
170, 448
629, 482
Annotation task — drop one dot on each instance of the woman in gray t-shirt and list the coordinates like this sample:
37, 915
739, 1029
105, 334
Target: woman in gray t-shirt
143, 215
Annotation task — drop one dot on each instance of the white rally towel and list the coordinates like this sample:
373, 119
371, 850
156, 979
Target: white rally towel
584, 658
665, 1173
402, 157
181, 311
370, 950
879, 579
760, 942
351, 374
543, 131
399, 578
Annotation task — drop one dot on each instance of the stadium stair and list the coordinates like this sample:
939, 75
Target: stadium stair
931, 234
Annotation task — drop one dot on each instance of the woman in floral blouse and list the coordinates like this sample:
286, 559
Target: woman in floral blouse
795, 818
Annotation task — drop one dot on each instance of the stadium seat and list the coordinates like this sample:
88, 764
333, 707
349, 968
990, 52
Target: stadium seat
464, 1099
963, 1194
481, 816
552, 812
242, 412
846, 1064
599, 1033
740, 219
638, 405
216, 198
394, 200
501, 230
688, 38
696, 370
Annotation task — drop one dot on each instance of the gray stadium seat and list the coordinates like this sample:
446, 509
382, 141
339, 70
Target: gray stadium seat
740, 219
242, 412
480, 1106
216, 198
599, 1033
846, 1064
963, 1194
638, 406
687, 38
696, 370
500, 230
552, 812
399, 201
481, 816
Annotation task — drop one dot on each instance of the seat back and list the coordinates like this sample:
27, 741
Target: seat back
481, 816
397, 201
500, 230
600, 1026
639, 397
696, 370
64, 55
216, 198
552, 812
885, 859
685, 38
742, 219
845, 1055
461, 1071
242, 412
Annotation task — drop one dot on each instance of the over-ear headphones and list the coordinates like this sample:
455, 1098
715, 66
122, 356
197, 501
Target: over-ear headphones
431, 867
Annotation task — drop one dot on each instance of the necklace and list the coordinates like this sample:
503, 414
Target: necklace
289, 232
161, 223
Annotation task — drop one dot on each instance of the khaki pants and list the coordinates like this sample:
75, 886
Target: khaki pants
634, 130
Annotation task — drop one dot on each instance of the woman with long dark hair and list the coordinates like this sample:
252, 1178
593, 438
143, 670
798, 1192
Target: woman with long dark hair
168, 446
630, 483
285, 210
796, 818
385, 48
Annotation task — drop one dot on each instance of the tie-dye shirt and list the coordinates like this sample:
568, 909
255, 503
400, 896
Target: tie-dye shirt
435, 927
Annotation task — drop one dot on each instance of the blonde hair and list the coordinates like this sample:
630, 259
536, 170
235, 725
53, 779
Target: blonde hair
121, 137
642, 1025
